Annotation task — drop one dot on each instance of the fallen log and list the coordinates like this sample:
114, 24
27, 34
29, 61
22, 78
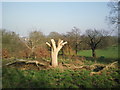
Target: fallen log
37, 63
111, 65
10, 63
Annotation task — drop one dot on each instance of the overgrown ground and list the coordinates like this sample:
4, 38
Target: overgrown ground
55, 78
67, 75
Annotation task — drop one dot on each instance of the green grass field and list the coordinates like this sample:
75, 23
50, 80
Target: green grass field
67, 78
110, 52
55, 78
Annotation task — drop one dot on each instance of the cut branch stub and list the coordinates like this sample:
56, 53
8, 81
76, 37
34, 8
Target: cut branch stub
53, 44
48, 44
55, 49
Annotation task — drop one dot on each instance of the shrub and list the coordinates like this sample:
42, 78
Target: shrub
41, 52
5, 53
68, 50
24, 53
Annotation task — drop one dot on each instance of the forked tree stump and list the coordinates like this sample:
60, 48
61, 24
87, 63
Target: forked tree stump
55, 49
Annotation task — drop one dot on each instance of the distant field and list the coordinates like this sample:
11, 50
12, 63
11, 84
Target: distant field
111, 52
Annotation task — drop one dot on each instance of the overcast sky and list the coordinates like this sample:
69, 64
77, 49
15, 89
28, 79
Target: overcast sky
23, 17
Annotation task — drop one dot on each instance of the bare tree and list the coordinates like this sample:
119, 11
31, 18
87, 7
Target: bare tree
29, 44
55, 49
114, 12
55, 35
74, 37
35, 39
94, 39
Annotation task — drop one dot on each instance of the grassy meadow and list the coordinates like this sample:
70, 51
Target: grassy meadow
47, 45
55, 78
66, 77
110, 52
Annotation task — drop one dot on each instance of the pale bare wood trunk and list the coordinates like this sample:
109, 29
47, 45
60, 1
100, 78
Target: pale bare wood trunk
54, 50
54, 56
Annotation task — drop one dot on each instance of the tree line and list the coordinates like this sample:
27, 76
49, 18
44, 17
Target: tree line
34, 45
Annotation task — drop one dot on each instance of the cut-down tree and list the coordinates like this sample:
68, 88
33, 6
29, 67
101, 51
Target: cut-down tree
55, 49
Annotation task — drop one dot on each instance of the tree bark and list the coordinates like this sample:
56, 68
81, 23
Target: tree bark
76, 49
93, 53
54, 55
